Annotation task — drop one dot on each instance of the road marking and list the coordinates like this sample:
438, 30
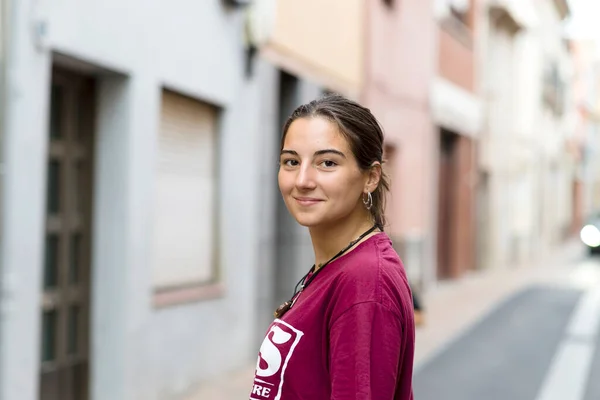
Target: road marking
567, 378
587, 275
586, 317
570, 368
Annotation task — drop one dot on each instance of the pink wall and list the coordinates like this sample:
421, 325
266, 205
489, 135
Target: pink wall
456, 62
457, 43
400, 65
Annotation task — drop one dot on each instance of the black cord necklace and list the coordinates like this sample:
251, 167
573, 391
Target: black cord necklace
303, 283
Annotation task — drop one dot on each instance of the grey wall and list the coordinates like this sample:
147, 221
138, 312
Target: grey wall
24, 150
134, 48
269, 196
294, 253
286, 250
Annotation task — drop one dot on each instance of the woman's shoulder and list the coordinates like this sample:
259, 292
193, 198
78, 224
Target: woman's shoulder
374, 273
372, 261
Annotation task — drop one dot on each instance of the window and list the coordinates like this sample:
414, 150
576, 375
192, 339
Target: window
460, 10
553, 91
184, 246
457, 10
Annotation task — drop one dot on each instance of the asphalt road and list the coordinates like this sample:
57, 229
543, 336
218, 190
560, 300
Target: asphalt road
543, 343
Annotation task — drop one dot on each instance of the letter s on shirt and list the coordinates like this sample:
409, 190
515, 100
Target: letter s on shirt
270, 353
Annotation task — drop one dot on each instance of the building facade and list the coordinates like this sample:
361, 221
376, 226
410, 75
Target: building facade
144, 241
525, 196
506, 162
585, 142
556, 166
132, 148
457, 113
300, 65
420, 82
399, 69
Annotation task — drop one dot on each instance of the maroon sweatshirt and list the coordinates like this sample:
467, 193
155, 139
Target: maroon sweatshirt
350, 334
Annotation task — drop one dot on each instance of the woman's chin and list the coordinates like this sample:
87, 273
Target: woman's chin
308, 221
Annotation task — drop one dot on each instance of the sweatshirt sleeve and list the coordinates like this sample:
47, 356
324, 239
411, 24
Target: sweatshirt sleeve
365, 349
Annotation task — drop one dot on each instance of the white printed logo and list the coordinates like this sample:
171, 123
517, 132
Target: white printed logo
269, 353
275, 353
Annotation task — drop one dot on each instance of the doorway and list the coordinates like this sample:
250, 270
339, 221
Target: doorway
447, 181
65, 308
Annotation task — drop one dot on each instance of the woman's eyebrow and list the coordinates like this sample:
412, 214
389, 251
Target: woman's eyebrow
327, 151
317, 153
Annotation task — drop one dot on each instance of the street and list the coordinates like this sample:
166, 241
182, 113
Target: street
540, 343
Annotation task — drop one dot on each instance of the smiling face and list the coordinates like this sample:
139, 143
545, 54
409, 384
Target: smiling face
319, 177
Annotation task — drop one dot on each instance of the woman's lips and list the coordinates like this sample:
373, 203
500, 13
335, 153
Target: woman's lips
307, 201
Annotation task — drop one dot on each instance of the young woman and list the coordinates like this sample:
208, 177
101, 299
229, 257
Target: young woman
348, 330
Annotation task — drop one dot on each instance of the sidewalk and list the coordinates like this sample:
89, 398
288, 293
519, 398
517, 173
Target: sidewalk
451, 308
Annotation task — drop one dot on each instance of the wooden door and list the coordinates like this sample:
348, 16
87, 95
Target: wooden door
66, 278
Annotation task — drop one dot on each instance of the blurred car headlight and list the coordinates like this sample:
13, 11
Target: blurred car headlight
590, 235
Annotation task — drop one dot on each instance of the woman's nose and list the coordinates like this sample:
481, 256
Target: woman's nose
305, 178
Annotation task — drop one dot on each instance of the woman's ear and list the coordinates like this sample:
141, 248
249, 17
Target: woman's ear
374, 177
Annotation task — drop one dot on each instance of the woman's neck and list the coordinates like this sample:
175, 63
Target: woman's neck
328, 241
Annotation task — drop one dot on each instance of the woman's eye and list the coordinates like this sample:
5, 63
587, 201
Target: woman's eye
290, 162
329, 163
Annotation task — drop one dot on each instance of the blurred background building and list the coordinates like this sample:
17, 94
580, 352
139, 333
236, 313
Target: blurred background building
457, 111
132, 147
585, 143
526, 177
144, 242
400, 65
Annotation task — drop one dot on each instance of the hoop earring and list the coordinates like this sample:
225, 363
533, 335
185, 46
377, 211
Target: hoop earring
369, 201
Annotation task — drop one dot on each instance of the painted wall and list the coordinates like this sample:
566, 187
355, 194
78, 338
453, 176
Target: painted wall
586, 138
457, 108
134, 48
397, 89
320, 40
285, 252
523, 149
456, 61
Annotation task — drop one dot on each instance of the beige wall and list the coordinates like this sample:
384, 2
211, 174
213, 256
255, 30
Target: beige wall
586, 90
322, 40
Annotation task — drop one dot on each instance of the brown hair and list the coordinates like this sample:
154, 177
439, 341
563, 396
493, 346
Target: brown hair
362, 131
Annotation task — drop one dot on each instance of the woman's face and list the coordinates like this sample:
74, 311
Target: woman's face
319, 177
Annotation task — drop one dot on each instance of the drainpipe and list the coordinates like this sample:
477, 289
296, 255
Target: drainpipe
4, 43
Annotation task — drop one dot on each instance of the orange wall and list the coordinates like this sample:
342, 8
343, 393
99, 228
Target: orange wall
320, 39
